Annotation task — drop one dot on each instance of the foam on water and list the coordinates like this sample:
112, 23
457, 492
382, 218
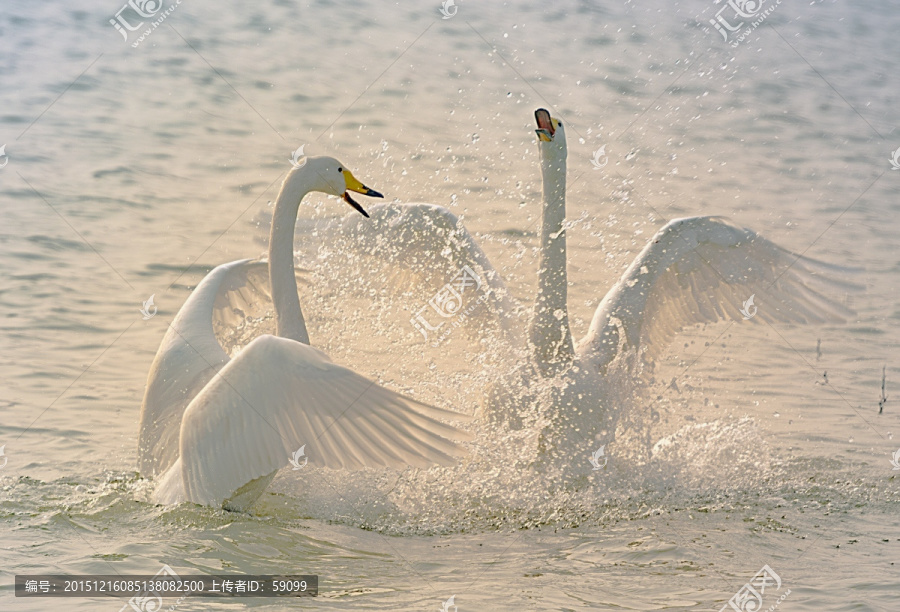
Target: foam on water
732, 454
511, 478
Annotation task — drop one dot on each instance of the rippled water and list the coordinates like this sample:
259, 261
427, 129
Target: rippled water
133, 171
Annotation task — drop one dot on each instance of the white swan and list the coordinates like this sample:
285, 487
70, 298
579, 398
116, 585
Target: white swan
215, 430
694, 270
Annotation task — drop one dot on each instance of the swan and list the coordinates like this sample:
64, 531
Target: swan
215, 430
692, 271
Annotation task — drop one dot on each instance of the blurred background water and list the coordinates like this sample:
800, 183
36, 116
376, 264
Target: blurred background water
132, 171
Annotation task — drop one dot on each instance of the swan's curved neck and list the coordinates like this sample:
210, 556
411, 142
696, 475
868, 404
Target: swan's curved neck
550, 335
288, 316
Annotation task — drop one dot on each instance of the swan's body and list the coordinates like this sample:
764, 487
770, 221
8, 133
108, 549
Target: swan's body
693, 271
215, 430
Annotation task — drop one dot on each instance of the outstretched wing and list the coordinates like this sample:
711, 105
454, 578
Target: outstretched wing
278, 394
190, 354
702, 269
242, 304
426, 246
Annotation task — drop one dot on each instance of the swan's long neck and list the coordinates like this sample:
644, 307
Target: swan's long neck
550, 335
288, 316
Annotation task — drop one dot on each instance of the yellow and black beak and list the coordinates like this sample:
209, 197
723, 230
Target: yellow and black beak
546, 125
354, 185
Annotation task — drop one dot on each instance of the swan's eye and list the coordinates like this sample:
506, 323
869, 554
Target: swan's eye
340, 169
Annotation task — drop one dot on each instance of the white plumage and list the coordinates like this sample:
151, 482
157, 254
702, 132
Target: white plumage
694, 270
700, 270
215, 430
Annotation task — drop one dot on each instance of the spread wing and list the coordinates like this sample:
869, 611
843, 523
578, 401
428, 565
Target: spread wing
703, 269
277, 395
243, 296
427, 247
190, 354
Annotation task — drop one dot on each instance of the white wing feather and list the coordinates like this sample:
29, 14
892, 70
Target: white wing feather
278, 394
243, 293
427, 245
700, 270
190, 355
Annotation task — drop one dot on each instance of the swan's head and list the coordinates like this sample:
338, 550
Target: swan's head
550, 132
328, 175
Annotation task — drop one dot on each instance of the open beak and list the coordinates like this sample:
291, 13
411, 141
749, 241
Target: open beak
545, 129
354, 185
